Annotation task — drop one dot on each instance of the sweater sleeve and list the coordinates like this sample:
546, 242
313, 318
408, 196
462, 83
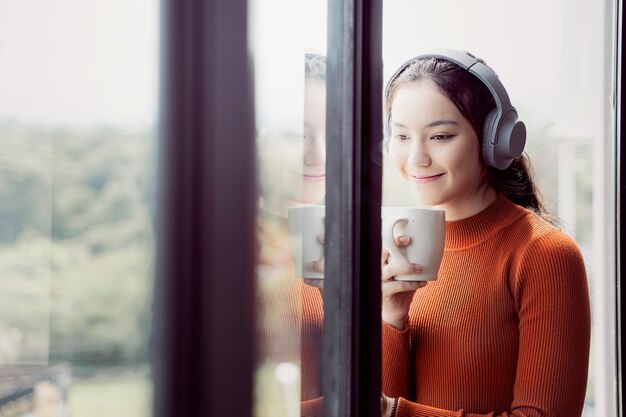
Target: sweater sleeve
312, 408
396, 361
549, 285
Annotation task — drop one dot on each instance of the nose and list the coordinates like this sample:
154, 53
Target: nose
419, 155
315, 150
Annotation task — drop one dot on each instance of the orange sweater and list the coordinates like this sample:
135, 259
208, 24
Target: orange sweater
290, 316
504, 331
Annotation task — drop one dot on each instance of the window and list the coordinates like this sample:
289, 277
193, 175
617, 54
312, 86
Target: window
290, 112
78, 118
132, 137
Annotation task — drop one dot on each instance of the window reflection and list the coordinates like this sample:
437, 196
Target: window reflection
290, 80
293, 171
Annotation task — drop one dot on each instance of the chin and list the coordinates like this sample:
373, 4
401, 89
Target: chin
313, 195
426, 200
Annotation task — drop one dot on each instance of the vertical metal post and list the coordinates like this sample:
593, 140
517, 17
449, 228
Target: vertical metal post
203, 340
620, 192
352, 325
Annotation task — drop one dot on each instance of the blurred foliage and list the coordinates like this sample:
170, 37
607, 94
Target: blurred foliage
77, 242
111, 396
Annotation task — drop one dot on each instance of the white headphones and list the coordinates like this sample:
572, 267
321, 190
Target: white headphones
504, 136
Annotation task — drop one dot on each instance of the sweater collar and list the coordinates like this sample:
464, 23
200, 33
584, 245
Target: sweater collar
474, 229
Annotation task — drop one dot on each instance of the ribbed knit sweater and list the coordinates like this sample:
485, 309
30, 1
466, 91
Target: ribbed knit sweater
503, 331
289, 319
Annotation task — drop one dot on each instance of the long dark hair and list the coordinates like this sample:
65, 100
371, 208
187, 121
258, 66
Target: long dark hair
474, 100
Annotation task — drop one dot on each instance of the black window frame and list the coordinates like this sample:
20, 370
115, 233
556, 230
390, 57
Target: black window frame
351, 382
204, 305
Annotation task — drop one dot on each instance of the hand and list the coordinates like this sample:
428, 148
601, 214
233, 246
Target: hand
397, 295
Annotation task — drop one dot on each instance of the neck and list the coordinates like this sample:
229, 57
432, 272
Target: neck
279, 206
275, 206
474, 203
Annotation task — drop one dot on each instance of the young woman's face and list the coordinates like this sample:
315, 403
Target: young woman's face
294, 165
313, 167
434, 147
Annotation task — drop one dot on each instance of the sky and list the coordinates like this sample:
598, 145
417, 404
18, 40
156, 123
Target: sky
548, 53
95, 62
79, 62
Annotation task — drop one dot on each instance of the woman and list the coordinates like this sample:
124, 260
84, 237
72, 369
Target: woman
292, 173
505, 329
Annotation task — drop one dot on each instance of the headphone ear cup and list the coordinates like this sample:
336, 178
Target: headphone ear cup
511, 140
501, 151
489, 131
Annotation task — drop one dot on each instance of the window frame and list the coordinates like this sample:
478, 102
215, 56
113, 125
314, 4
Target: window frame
203, 342
351, 381
620, 204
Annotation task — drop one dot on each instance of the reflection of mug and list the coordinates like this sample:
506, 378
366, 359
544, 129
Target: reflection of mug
306, 224
427, 229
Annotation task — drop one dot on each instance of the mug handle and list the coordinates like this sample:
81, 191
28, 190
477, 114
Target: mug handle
324, 230
388, 241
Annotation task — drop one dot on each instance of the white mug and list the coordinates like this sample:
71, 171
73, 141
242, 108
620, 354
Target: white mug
305, 225
427, 229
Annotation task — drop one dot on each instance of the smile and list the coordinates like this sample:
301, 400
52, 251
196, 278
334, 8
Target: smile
424, 179
314, 177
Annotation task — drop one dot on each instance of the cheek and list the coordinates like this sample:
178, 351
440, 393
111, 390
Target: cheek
466, 154
461, 162
468, 164
290, 157
398, 157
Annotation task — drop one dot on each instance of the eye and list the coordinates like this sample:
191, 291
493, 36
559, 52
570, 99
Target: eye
401, 138
441, 137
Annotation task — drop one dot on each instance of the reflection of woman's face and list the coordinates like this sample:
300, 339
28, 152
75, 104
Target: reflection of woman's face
295, 167
434, 147
313, 172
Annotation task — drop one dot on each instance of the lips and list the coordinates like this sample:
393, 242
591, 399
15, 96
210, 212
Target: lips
314, 177
424, 179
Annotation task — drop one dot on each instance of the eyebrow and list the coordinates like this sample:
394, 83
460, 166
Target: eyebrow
438, 122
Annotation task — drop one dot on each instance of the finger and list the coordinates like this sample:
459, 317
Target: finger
390, 288
316, 266
403, 240
317, 283
404, 268
321, 238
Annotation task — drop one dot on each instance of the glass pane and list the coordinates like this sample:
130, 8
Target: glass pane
78, 108
290, 72
555, 59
